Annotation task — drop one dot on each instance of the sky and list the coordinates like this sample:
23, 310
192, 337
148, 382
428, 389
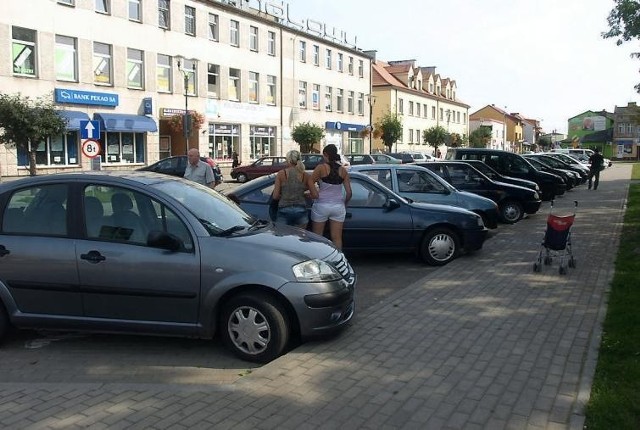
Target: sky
545, 59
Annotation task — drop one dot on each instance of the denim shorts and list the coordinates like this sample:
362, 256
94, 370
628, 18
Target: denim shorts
293, 215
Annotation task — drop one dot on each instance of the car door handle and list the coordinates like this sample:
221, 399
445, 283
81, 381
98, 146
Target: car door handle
4, 251
93, 257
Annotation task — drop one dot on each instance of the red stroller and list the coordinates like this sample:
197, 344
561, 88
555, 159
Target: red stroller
557, 241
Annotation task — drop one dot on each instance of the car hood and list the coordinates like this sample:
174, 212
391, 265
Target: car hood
482, 202
453, 210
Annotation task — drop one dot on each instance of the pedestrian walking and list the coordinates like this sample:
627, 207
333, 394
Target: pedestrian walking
597, 164
198, 170
236, 161
334, 192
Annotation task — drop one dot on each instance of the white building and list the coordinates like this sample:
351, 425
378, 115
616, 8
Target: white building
251, 69
497, 131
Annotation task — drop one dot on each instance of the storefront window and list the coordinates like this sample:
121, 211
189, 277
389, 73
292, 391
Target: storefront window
123, 147
263, 141
356, 143
59, 150
224, 140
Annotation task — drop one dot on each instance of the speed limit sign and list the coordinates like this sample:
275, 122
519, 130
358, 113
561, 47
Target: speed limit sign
90, 148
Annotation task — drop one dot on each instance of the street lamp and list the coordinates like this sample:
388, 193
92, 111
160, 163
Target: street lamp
372, 102
186, 119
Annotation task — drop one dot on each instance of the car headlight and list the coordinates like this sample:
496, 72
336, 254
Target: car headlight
536, 196
479, 221
315, 271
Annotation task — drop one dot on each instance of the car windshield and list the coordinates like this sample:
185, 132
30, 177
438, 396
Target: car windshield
216, 213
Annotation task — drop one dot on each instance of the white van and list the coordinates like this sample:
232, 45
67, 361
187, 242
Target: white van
574, 151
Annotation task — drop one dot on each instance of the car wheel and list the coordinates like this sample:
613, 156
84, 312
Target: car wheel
511, 211
439, 246
255, 327
242, 178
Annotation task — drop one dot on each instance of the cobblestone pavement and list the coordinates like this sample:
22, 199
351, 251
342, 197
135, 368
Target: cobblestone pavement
480, 343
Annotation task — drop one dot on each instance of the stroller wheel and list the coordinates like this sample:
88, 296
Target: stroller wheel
548, 260
562, 270
536, 267
572, 262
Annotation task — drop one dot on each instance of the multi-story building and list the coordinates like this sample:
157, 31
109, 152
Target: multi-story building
496, 127
513, 125
247, 72
592, 129
421, 97
626, 132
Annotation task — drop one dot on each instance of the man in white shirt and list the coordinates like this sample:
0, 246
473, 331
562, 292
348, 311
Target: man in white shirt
199, 171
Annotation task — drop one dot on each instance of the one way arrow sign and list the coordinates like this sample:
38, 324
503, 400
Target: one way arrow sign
89, 129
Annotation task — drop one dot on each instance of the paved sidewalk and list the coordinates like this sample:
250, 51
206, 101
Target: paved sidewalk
482, 343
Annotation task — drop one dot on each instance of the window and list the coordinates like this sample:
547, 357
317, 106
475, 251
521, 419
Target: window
411, 108
302, 51
360, 103
350, 96
164, 14
135, 14
214, 21
190, 20
431, 88
340, 100
464, 118
23, 49
163, 74
66, 59
328, 99
189, 69
441, 114
271, 43
315, 97
424, 110
458, 117
621, 128
302, 94
350, 67
39, 210
234, 33
102, 6
316, 55
328, 61
67, 2
629, 128
101, 63
253, 38
213, 79
135, 69
340, 62
433, 112
234, 84
361, 68
123, 147
254, 78
417, 136
410, 181
410, 135
401, 106
417, 109
59, 150
271, 89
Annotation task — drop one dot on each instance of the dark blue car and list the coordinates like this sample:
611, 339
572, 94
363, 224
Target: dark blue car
380, 220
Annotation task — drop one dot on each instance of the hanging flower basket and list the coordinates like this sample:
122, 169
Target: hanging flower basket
175, 122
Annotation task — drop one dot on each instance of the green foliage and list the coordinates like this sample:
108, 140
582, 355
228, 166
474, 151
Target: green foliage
545, 142
435, 136
24, 120
389, 128
307, 135
480, 137
615, 395
624, 24
456, 140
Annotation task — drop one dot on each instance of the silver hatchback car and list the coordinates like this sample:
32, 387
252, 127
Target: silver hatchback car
144, 253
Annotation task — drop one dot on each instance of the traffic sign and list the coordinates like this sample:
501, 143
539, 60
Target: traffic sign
90, 148
89, 129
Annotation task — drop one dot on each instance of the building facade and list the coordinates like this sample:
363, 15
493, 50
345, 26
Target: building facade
626, 132
422, 98
592, 129
513, 124
497, 129
247, 72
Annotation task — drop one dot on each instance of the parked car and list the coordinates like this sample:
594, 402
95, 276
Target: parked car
312, 160
144, 253
570, 178
569, 160
177, 164
354, 159
422, 185
557, 163
380, 220
421, 157
514, 165
490, 173
404, 157
385, 158
262, 166
512, 200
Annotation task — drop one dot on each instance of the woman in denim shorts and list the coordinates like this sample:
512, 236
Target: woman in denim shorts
291, 184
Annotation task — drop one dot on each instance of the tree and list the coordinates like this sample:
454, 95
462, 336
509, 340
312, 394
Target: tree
435, 136
624, 23
455, 140
545, 142
389, 129
307, 135
480, 137
26, 122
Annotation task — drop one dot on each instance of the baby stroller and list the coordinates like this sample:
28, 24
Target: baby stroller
557, 241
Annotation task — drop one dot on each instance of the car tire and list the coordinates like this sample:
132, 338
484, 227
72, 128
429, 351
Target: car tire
255, 327
242, 178
439, 246
511, 211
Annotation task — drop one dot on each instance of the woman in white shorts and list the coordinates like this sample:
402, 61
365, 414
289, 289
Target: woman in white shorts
331, 203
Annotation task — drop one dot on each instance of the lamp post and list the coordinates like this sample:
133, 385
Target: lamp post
372, 102
186, 119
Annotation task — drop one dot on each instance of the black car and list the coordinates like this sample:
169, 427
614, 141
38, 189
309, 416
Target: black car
312, 160
176, 165
490, 173
511, 164
512, 200
404, 157
558, 163
570, 178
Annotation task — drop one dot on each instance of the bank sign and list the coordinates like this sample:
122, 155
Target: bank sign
63, 95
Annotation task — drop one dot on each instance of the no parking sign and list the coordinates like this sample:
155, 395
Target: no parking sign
90, 148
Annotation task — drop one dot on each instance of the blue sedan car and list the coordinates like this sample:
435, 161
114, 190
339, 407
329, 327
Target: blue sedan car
380, 220
421, 185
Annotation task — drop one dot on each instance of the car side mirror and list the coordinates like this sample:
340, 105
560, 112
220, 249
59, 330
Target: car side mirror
163, 240
391, 204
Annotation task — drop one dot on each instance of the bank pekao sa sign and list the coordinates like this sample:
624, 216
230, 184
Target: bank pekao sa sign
64, 95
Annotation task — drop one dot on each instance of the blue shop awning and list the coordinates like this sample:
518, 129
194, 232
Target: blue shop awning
73, 118
125, 122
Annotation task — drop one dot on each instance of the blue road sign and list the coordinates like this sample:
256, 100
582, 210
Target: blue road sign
90, 129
